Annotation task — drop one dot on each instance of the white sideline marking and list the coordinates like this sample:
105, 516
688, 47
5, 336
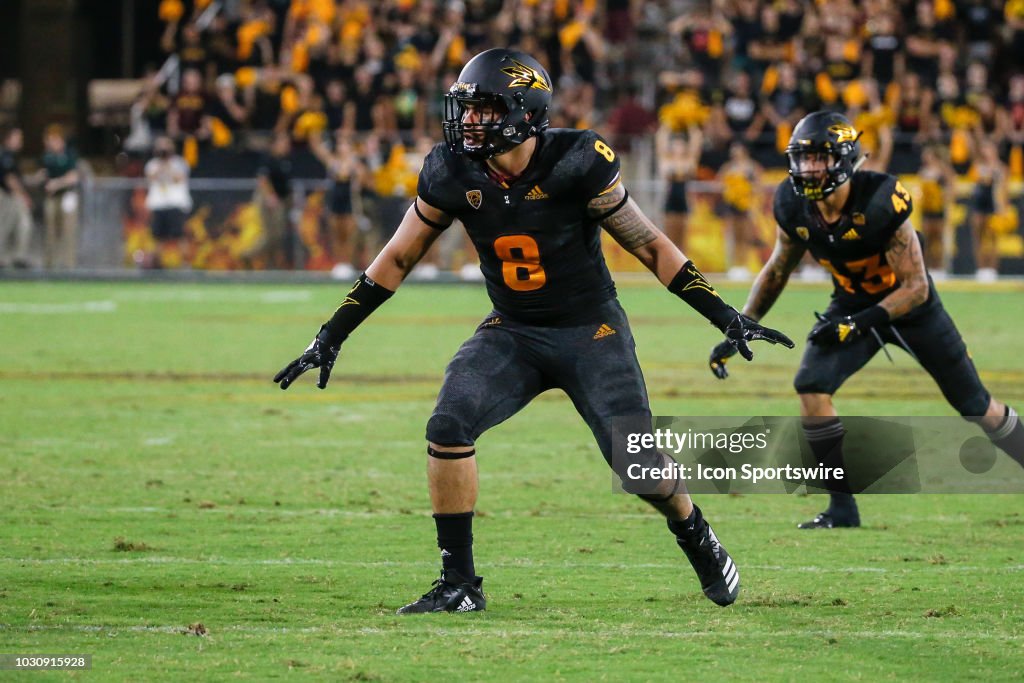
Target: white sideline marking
524, 633
273, 296
230, 508
49, 309
285, 296
511, 564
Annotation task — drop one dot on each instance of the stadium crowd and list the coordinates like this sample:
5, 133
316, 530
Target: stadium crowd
935, 86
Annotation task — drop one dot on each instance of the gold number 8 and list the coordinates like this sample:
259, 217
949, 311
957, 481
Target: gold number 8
604, 150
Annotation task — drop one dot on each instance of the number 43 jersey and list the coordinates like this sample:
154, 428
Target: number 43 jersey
853, 248
540, 252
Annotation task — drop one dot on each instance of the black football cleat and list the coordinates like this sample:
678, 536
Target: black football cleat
826, 520
719, 576
450, 593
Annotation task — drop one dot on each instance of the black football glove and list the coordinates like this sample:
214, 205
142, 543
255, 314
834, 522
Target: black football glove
831, 331
742, 330
845, 329
319, 354
722, 352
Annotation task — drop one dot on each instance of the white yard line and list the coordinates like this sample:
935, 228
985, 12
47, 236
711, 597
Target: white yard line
215, 295
567, 632
11, 307
509, 564
229, 507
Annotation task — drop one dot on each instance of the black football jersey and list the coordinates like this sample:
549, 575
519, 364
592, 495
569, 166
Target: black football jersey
540, 252
853, 248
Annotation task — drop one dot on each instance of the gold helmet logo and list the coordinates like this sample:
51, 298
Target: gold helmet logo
844, 132
525, 77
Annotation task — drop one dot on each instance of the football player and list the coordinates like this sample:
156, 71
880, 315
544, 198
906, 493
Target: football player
533, 200
856, 224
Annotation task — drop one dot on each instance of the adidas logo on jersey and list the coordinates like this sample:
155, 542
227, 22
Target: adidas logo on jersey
603, 331
466, 605
851, 234
536, 193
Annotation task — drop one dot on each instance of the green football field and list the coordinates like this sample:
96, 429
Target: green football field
154, 478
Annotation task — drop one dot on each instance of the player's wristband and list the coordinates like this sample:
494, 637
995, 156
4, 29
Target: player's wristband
691, 286
870, 317
362, 300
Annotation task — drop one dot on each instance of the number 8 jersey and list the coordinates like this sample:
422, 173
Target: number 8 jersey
853, 248
540, 251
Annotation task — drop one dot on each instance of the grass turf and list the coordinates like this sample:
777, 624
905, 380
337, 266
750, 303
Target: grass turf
154, 478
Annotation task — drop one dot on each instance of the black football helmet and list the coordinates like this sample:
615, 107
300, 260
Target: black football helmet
513, 92
828, 134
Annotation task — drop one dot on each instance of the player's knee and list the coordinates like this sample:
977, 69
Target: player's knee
815, 403
810, 385
972, 406
448, 430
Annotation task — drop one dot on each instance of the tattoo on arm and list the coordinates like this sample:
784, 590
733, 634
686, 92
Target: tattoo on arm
773, 277
629, 226
903, 255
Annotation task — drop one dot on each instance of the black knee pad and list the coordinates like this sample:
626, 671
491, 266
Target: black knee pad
448, 430
655, 499
450, 455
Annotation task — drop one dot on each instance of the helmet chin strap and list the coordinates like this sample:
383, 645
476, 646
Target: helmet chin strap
860, 162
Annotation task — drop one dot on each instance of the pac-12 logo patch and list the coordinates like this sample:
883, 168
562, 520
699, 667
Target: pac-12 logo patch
804, 233
475, 198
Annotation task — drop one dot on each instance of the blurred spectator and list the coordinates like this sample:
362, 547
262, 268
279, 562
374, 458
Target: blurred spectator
678, 158
747, 28
1012, 125
926, 40
59, 177
362, 113
148, 112
783, 103
582, 47
913, 105
735, 116
739, 176
405, 109
703, 32
169, 202
979, 23
334, 104
629, 119
344, 169
224, 115
1013, 11
15, 204
185, 117
937, 187
883, 54
619, 20
988, 198
274, 198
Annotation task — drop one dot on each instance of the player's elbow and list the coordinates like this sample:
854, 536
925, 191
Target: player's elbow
403, 262
647, 255
918, 291
651, 253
